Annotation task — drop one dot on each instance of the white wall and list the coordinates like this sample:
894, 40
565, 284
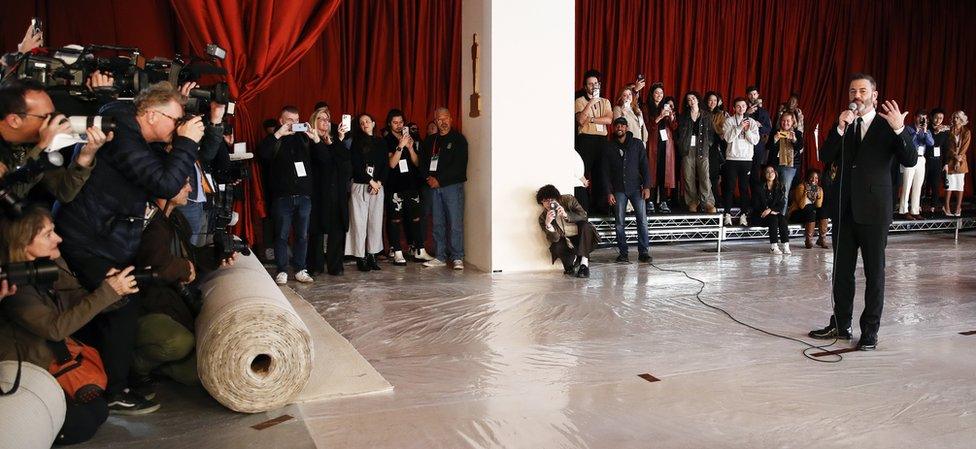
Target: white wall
522, 141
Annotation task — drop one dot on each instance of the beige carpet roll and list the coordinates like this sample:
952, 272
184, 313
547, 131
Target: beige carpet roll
254, 353
32, 417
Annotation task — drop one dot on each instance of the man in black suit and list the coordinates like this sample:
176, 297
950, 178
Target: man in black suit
864, 144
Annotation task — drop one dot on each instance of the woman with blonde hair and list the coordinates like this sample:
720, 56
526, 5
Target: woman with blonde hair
628, 107
956, 165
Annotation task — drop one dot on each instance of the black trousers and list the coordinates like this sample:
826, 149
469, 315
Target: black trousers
81, 421
779, 231
590, 149
112, 333
404, 209
809, 214
715, 163
316, 256
871, 240
736, 172
933, 180
335, 247
583, 244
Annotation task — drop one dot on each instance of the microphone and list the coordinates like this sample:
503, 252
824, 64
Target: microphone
852, 107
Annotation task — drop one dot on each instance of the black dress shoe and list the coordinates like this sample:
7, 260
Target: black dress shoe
361, 264
371, 262
584, 272
830, 332
623, 258
578, 261
569, 271
645, 258
867, 343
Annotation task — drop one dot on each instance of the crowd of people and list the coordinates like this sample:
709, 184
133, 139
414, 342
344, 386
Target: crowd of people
144, 193
645, 154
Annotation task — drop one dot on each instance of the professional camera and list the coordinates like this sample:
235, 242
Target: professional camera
10, 203
225, 242
42, 271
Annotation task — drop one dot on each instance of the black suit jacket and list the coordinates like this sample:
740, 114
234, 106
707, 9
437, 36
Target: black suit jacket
867, 168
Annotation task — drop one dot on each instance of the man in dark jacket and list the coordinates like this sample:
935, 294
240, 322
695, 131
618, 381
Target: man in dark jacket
103, 226
444, 160
625, 166
287, 154
864, 145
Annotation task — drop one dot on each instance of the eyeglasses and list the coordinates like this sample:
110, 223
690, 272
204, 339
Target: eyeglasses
174, 119
42, 117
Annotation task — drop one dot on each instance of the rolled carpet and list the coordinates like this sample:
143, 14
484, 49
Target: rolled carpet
254, 353
32, 417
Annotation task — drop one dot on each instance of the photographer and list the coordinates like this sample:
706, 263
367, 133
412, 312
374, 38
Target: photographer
102, 227
28, 124
211, 143
37, 317
168, 307
570, 235
287, 154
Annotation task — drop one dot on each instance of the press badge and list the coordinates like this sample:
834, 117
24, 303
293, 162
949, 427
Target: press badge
369, 171
403, 166
937, 151
433, 163
921, 150
664, 135
694, 139
300, 169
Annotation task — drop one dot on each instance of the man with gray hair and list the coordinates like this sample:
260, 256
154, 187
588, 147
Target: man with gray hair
444, 160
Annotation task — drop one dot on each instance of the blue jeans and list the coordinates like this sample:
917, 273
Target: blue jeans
447, 208
785, 175
286, 209
194, 216
637, 201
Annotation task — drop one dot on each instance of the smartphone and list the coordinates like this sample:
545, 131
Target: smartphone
231, 106
640, 77
299, 127
347, 121
36, 24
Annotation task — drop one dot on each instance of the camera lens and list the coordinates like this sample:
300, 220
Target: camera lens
81, 123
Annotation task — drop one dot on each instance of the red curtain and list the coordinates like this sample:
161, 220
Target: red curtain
921, 52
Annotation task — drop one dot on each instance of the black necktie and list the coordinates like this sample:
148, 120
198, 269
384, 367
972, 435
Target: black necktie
857, 131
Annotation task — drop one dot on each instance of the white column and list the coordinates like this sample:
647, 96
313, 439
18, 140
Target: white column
523, 139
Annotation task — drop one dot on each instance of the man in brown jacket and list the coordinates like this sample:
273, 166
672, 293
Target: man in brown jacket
571, 236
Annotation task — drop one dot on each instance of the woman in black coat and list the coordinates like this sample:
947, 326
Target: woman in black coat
330, 205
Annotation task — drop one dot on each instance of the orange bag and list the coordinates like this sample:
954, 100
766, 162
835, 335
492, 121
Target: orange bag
79, 369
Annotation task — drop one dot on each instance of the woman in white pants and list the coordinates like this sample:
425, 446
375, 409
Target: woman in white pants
913, 177
369, 167
956, 164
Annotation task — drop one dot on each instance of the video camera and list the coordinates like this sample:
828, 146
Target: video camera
230, 177
67, 70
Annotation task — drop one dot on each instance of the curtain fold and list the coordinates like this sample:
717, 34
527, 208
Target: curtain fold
922, 53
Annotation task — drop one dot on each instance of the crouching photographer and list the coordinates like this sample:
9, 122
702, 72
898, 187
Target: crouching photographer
102, 227
169, 306
42, 322
28, 125
571, 236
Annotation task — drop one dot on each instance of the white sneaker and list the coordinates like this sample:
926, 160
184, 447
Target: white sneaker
303, 277
458, 264
785, 248
774, 248
434, 263
398, 258
728, 219
421, 254
742, 220
281, 278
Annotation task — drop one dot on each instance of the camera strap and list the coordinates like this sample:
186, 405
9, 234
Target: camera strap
20, 366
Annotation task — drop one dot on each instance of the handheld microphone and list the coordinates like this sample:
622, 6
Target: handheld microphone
852, 107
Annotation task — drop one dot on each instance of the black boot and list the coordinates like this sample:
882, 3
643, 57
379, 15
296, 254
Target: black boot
361, 264
371, 262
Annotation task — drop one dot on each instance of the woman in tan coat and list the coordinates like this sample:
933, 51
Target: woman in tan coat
628, 107
956, 165
807, 208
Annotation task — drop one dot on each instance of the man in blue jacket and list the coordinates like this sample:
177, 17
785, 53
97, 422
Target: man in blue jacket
629, 179
151, 156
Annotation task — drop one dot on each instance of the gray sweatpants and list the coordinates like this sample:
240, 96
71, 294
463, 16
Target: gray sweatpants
365, 222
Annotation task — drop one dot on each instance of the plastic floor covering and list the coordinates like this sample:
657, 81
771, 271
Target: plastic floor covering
539, 360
